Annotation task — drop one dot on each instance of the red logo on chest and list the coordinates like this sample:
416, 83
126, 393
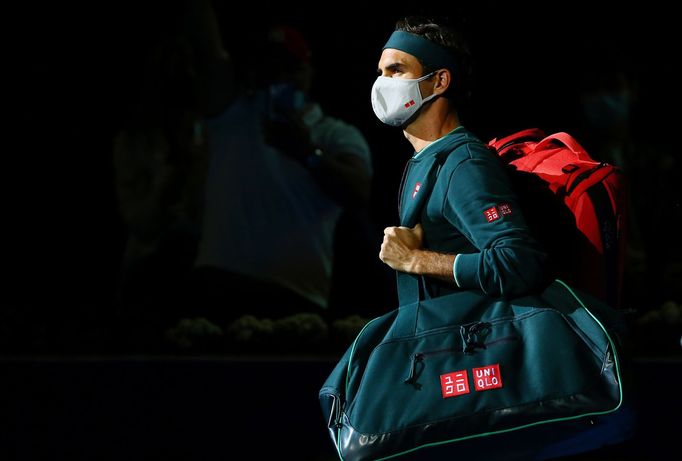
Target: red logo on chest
416, 189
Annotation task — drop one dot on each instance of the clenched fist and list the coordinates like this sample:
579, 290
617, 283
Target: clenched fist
400, 245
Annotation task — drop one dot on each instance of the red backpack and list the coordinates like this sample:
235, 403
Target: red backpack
575, 206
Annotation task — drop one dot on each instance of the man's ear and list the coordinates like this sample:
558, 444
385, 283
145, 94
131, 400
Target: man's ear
442, 81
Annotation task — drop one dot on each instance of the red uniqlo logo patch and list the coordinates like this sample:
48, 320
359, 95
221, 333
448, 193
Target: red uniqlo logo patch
454, 384
504, 209
416, 189
487, 377
491, 214
410, 103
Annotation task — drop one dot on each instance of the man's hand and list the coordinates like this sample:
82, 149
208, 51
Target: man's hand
401, 246
402, 250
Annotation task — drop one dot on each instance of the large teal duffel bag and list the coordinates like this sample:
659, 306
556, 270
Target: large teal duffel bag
476, 376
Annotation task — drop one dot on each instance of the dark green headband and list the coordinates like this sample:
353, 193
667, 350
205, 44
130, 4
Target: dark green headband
431, 54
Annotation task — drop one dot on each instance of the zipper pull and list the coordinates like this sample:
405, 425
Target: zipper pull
470, 335
417, 358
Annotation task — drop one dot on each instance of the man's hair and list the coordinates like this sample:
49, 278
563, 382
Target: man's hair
443, 33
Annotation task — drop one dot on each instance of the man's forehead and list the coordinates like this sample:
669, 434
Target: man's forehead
392, 57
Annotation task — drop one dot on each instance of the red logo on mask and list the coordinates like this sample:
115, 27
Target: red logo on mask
410, 103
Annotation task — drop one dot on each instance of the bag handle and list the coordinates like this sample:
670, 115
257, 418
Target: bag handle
568, 141
530, 134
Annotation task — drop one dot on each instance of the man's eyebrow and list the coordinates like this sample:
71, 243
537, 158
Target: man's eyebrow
395, 67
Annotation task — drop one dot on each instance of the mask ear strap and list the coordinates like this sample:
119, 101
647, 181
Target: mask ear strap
429, 75
421, 79
429, 98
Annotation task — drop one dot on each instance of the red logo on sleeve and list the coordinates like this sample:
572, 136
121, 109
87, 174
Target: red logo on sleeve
504, 209
487, 377
454, 384
491, 214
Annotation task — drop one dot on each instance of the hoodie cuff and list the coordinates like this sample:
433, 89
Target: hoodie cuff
465, 270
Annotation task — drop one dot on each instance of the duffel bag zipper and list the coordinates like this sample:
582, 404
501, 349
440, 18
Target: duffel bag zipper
418, 358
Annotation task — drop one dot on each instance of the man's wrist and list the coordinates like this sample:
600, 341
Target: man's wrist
432, 264
416, 264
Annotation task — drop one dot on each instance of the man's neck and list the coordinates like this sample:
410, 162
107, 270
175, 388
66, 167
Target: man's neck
433, 123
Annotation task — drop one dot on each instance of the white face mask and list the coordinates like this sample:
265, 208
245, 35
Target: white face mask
395, 100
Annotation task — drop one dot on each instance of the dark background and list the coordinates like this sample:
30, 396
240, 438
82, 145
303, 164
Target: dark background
70, 73
72, 70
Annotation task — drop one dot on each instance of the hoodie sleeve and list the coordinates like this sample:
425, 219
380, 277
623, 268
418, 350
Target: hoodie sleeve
480, 202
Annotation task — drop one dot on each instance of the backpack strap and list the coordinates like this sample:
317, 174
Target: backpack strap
611, 249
